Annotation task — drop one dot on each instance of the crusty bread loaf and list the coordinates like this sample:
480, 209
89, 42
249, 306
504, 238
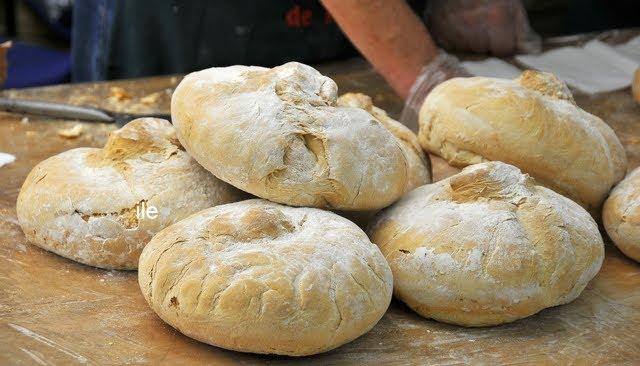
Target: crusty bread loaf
635, 86
487, 246
531, 122
621, 215
257, 276
93, 205
278, 134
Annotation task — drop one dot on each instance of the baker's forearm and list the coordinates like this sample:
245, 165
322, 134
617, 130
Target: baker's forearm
389, 35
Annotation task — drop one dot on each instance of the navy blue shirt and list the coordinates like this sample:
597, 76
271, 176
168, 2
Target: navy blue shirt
124, 39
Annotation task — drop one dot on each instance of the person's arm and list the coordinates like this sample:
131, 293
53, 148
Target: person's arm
4, 48
389, 35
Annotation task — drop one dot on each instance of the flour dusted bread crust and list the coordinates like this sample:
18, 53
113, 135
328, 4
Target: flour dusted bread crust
487, 246
85, 203
621, 215
531, 122
419, 166
257, 276
278, 134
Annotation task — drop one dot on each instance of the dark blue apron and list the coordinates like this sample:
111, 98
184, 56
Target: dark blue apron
134, 38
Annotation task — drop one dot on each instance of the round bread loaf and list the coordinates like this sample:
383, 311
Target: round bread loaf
621, 215
531, 122
257, 276
487, 246
278, 134
101, 206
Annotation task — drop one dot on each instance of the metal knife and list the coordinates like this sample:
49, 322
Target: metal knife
69, 111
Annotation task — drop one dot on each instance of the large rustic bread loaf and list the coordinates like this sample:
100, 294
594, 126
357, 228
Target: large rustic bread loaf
487, 246
94, 205
257, 276
278, 134
531, 122
621, 215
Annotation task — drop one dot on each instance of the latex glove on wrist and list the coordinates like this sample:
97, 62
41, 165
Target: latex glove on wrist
441, 68
498, 27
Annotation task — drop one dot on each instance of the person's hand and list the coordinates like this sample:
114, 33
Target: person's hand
441, 68
499, 27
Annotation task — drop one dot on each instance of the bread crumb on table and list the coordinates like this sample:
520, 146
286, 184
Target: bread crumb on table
71, 132
118, 94
151, 98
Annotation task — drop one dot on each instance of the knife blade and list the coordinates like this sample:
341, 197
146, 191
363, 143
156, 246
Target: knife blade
74, 112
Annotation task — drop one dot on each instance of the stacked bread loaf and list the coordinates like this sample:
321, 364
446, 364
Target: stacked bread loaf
284, 274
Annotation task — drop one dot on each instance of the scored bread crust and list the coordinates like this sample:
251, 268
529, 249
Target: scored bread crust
487, 246
278, 134
621, 215
531, 122
84, 204
257, 276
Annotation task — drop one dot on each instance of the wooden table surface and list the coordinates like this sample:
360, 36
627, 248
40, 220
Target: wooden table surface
55, 311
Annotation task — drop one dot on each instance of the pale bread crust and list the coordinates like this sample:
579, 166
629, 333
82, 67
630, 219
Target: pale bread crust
419, 165
487, 246
621, 215
257, 276
82, 203
531, 122
278, 134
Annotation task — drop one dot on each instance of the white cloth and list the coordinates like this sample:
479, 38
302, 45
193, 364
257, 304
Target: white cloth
6, 159
594, 68
492, 68
631, 49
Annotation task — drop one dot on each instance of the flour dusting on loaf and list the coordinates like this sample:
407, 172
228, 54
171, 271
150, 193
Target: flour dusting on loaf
419, 166
487, 246
257, 276
621, 215
531, 122
278, 134
90, 204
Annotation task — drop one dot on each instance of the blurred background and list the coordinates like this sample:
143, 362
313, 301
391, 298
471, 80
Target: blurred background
59, 41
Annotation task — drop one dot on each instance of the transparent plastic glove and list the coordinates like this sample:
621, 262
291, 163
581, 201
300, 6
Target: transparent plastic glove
499, 27
441, 68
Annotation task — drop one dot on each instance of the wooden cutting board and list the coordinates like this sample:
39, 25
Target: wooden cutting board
55, 311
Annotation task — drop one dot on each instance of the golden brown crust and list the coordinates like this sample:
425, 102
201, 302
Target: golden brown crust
532, 123
257, 276
621, 215
487, 246
85, 204
545, 83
